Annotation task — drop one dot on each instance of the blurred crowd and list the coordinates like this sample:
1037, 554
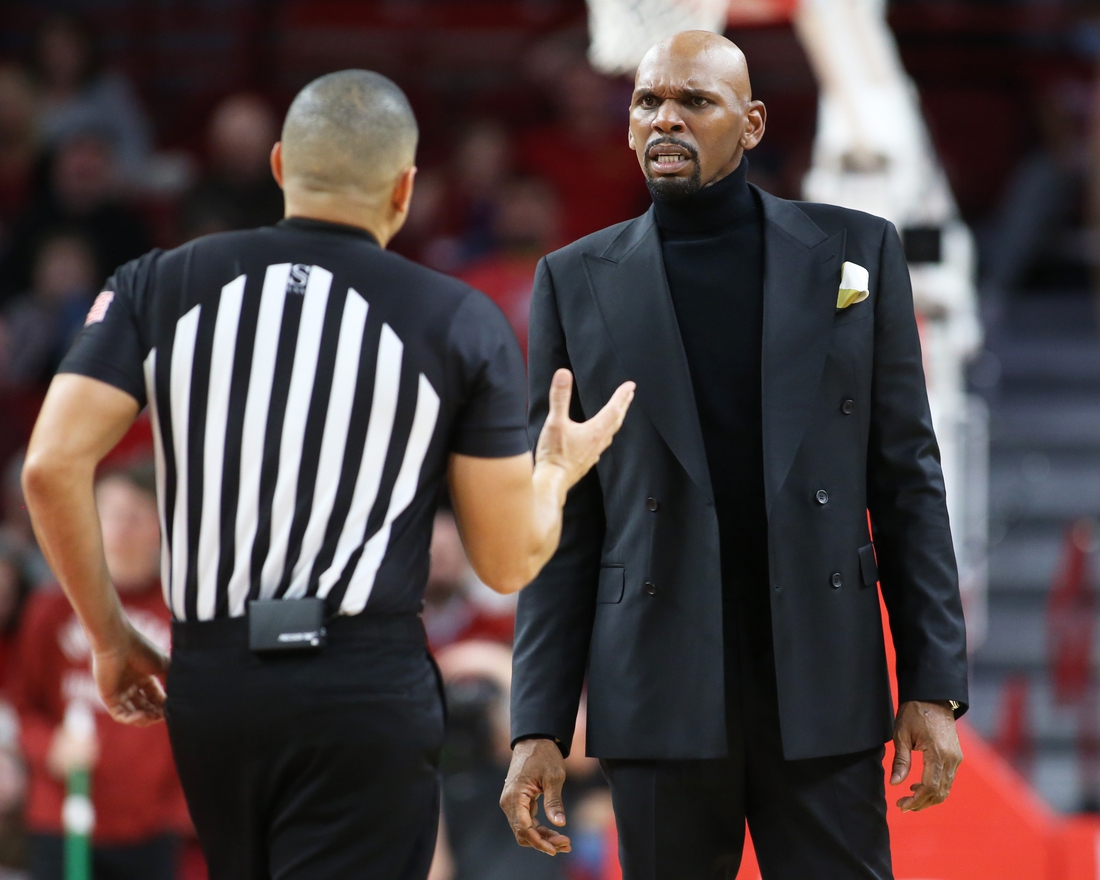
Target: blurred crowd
84, 188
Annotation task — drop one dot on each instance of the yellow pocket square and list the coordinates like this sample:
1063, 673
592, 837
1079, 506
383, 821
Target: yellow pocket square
853, 285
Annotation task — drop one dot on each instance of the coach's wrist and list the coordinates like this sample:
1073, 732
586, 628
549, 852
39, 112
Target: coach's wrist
533, 737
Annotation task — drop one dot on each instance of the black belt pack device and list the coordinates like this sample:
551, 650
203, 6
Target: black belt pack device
286, 625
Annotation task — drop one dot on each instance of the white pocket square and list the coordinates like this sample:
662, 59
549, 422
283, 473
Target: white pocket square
853, 285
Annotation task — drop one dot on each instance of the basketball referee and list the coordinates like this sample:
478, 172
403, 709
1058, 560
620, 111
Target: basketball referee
309, 393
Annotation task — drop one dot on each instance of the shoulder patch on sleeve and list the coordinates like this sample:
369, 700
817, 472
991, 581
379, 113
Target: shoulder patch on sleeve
99, 308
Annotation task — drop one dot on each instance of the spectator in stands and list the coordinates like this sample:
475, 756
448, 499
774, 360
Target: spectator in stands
454, 206
238, 190
14, 589
18, 145
15, 525
81, 195
584, 153
483, 163
139, 807
77, 95
526, 226
451, 613
37, 327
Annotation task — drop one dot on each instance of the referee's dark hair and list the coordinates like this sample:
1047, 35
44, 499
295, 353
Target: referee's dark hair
353, 130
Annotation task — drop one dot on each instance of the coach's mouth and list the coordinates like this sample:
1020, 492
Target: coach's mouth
669, 158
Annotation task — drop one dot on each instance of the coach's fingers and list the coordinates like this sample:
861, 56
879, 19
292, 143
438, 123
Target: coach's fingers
551, 801
520, 806
551, 842
931, 789
537, 837
903, 760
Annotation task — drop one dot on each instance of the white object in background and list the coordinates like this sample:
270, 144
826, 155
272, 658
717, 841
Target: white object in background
77, 812
621, 31
872, 152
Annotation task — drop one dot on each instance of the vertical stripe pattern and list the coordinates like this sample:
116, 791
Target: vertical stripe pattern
387, 378
160, 469
423, 426
335, 437
217, 415
331, 427
260, 381
183, 353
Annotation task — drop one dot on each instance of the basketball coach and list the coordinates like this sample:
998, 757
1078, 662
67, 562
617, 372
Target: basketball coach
310, 392
716, 577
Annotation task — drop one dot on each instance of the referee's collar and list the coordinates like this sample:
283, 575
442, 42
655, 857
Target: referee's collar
309, 224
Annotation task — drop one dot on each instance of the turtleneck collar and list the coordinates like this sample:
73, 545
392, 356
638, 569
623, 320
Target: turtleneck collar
729, 203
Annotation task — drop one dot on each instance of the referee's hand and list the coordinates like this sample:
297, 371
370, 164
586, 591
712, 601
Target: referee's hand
576, 446
128, 678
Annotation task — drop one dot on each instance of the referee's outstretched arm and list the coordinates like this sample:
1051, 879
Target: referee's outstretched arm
508, 511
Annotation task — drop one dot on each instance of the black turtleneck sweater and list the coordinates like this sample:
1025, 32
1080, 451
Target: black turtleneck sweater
713, 247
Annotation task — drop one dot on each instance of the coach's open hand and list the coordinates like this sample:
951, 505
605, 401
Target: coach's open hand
128, 678
537, 769
927, 728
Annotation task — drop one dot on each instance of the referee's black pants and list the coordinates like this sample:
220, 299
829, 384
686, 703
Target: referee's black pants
815, 819
311, 766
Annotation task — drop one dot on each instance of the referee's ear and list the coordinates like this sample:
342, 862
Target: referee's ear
402, 192
277, 163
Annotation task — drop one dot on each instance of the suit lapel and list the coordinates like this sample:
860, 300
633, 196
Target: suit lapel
801, 276
631, 290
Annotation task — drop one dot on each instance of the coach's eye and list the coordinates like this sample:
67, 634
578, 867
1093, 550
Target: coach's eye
647, 101
699, 102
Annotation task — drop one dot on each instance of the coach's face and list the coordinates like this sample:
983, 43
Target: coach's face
692, 115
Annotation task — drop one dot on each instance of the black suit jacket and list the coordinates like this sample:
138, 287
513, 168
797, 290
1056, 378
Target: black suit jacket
633, 596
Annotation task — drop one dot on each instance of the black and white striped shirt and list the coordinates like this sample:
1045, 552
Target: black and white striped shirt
306, 388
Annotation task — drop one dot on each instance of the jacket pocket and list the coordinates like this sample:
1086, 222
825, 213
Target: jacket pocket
850, 315
867, 565
612, 584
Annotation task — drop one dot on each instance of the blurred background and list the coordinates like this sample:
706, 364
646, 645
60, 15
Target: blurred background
973, 124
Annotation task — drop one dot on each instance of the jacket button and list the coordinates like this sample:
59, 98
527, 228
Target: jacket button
651, 505
847, 407
838, 581
651, 588
822, 496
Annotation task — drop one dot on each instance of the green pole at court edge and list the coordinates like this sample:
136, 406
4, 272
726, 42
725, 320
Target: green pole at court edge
77, 814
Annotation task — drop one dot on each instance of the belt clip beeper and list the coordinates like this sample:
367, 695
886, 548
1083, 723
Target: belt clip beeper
277, 626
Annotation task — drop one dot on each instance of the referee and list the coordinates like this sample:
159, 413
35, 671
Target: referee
309, 393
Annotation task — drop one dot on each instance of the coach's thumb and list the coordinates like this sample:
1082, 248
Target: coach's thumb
552, 803
902, 761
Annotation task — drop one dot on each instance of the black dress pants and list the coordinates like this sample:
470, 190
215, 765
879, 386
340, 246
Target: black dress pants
815, 819
316, 766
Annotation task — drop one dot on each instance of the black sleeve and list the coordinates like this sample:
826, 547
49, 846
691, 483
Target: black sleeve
556, 612
906, 498
492, 418
110, 347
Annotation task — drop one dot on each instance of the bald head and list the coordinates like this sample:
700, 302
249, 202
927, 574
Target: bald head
705, 55
351, 132
692, 115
